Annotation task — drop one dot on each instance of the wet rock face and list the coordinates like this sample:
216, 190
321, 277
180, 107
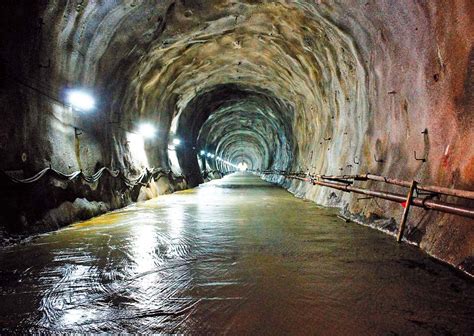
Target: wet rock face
321, 86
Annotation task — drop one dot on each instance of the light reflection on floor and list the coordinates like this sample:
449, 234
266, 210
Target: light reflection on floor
235, 256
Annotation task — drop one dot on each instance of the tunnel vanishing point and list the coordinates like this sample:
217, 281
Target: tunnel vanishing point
366, 106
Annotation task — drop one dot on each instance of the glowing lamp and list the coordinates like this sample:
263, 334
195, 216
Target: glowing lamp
147, 130
80, 100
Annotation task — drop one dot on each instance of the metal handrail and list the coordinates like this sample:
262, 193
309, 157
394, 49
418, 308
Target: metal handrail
343, 182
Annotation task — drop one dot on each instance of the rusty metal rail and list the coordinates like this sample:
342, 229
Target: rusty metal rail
344, 183
426, 203
433, 189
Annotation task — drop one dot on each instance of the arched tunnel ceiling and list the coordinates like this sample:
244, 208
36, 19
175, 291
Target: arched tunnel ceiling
295, 67
344, 68
278, 48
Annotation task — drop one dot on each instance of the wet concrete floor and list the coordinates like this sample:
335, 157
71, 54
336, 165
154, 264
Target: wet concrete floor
235, 256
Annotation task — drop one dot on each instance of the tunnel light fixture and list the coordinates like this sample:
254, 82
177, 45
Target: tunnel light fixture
203, 152
208, 155
147, 130
242, 166
80, 100
176, 141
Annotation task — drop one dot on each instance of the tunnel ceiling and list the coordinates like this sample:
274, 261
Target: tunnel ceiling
269, 75
317, 82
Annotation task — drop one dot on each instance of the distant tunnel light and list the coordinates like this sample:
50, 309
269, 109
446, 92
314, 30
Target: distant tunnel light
203, 152
80, 100
147, 130
176, 141
242, 166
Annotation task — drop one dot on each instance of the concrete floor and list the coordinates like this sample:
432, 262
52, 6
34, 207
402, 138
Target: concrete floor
237, 256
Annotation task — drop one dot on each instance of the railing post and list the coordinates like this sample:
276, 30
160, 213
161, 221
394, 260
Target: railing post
405, 212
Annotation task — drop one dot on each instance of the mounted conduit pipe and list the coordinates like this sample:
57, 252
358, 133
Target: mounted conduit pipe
419, 202
416, 201
434, 189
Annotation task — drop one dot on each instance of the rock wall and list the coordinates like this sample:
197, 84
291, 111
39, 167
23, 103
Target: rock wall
322, 86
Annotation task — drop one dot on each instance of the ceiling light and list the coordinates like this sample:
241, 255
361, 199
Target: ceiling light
147, 130
80, 100
176, 141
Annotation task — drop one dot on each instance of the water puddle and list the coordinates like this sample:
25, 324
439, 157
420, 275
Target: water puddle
233, 256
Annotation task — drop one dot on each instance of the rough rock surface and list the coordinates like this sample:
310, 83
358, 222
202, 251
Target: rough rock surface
322, 86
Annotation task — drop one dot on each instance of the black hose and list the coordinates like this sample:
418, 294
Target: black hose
144, 178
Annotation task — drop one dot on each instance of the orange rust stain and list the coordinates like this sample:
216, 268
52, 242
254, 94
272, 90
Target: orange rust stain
468, 170
445, 161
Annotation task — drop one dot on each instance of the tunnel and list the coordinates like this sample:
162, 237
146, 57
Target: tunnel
237, 166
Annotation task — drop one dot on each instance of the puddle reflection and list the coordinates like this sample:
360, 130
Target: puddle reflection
233, 256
